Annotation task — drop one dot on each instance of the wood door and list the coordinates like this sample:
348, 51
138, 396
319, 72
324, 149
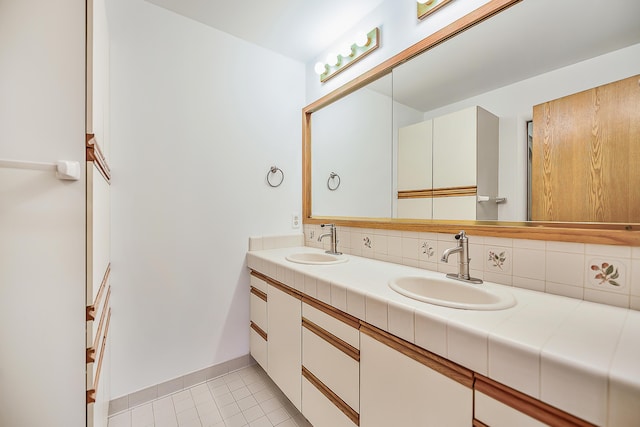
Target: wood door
586, 155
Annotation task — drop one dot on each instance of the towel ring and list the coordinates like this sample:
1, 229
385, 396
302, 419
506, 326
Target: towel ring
274, 170
332, 177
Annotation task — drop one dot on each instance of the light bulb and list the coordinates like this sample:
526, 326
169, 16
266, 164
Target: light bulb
320, 68
362, 40
332, 60
346, 51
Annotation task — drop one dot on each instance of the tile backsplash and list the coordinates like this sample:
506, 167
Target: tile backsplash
600, 273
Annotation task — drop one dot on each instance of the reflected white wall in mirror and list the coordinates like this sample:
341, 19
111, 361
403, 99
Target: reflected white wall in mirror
356, 147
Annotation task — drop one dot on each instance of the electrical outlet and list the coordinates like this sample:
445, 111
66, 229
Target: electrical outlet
295, 220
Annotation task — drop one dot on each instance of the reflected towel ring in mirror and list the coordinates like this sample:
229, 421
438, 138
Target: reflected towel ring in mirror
332, 178
274, 170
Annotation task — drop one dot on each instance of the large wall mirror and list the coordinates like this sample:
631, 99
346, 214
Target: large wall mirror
485, 72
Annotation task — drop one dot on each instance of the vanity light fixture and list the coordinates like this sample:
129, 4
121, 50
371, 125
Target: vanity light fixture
427, 7
364, 44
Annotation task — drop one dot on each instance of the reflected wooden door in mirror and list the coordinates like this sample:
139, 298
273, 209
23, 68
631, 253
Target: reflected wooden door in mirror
589, 142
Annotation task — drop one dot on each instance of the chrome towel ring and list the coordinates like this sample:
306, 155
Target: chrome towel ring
332, 178
274, 171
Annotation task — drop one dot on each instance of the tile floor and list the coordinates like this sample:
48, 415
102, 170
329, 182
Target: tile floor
246, 397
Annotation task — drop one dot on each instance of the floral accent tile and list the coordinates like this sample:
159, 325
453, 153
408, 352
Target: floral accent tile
367, 242
607, 274
427, 249
498, 260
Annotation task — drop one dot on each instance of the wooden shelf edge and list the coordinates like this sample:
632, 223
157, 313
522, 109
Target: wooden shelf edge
281, 286
92, 309
330, 310
94, 154
341, 345
526, 404
257, 292
259, 331
331, 396
92, 392
444, 366
91, 351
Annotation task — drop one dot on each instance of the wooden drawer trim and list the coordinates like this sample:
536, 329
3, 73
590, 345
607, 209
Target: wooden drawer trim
333, 398
257, 292
92, 309
340, 315
281, 286
478, 423
527, 404
94, 154
341, 345
91, 351
445, 367
438, 192
91, 394
259, 331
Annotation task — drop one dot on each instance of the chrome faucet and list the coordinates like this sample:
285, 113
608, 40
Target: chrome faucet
334, 239
463, 259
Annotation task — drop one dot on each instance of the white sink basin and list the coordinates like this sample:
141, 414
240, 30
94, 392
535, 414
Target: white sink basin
451, 293
316, 258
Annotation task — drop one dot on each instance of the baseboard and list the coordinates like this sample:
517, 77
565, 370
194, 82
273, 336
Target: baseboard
148, 394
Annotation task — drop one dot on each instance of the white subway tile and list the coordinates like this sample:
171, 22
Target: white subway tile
376, 311
401, 321
564, 290
339, 297
604, 297
355, 303
565, 268
529, 263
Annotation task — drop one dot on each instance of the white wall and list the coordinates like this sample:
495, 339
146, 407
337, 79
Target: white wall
42, 219
197, 117
399, 28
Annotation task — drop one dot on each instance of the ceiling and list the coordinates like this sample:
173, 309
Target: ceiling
298, 29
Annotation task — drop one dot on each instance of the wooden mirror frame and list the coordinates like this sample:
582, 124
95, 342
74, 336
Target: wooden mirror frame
597, 233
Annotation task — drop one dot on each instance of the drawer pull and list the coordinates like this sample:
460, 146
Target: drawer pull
333, 398
344, 347
259, 331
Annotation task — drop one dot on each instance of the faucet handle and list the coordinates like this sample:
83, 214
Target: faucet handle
461, 235
328, 225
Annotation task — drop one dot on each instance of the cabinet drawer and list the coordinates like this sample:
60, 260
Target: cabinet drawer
258, 310
334, 368
496, 414
319, 410
346, 332
258, 348
258, 284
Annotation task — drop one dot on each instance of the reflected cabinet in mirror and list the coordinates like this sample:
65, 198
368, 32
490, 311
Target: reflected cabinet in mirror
437, 137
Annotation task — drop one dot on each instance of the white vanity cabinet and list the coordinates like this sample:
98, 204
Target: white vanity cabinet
415, 148
284, 343
330, 366
404, 385
465, 153
445, 162
259, 326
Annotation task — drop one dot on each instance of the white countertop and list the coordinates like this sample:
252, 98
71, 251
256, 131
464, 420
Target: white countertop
578, 356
